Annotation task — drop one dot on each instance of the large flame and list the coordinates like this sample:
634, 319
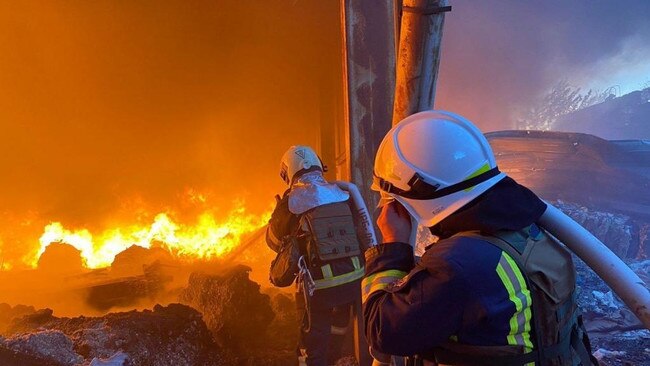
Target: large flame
206, 238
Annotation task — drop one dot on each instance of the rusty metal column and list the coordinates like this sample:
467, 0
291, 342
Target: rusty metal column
369, 82
369, 69
419, 56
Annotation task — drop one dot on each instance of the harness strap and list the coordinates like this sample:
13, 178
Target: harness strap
421, 190
458, 356
448, 357
581, 345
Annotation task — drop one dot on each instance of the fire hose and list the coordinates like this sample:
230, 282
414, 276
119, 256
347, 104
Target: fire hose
616, 274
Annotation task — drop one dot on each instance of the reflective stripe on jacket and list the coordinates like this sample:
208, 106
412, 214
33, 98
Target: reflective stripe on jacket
463, 289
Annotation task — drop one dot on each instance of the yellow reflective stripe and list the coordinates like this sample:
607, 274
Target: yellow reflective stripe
339, 280
393, 273
327, 271
514, 326
379, 281
355, 262
519, 295
527, 310
480, 170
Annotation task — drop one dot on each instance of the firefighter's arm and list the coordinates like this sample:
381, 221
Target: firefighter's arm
406, 311
281, 224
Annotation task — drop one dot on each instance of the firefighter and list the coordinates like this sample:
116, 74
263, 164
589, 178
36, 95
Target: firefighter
495, 289
313, 230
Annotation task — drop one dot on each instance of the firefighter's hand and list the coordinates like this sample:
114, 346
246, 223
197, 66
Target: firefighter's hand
394, 222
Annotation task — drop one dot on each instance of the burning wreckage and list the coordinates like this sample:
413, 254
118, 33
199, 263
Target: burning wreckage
199, 311
194, 314
215, 319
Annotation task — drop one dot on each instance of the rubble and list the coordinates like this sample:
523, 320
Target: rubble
608, 321
50, 345
118, 359
623, 349
233, 308
9, 313
29, 322
9, 357
616, 334
170, 335
619, 232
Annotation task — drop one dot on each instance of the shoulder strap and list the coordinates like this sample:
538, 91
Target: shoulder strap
514, 248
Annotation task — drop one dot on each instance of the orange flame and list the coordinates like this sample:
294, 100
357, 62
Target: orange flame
205, 239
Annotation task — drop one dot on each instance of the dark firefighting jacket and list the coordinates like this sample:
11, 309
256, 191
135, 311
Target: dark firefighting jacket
463, 289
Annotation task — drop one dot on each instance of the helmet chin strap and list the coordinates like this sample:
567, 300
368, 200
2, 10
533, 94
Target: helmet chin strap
421, 190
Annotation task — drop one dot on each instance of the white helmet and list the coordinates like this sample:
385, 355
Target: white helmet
297, 159
434, 163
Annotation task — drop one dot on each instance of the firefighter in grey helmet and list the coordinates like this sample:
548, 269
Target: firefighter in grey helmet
313, 230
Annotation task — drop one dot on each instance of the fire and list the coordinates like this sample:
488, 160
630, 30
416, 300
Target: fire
206, 238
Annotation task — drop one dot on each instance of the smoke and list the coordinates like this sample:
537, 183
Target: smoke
109, 107
498, 56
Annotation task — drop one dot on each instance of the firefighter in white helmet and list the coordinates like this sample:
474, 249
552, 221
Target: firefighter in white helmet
495, 289
313, 230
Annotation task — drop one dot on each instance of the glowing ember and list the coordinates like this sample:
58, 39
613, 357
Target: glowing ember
205, 239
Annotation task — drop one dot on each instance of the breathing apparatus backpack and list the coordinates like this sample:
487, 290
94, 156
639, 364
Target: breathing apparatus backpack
330, 246
558, 332
330, 233
324, 250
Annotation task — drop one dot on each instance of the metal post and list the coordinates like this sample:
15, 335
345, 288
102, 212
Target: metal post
418, 56
369, 70
369, 81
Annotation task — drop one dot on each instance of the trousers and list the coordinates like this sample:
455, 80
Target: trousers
322, 333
